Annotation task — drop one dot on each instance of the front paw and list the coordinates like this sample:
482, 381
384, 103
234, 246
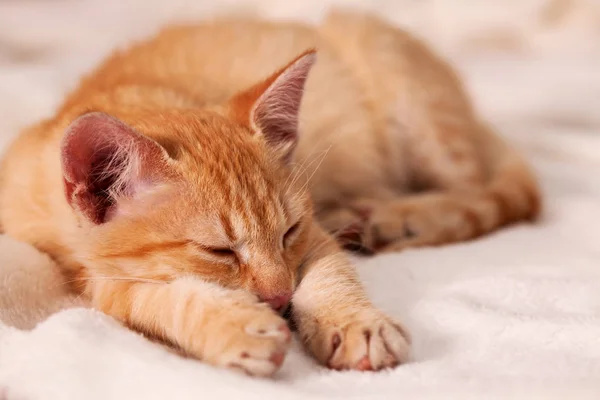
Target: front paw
365, 341
248, 337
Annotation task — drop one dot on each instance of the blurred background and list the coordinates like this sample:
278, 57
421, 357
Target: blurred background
521, 307
531, 65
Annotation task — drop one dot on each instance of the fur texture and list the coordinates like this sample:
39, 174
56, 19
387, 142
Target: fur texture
173, 184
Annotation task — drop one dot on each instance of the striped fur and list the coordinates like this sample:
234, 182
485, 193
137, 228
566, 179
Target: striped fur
199, 172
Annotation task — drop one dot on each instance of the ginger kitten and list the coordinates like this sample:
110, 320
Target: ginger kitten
175, 186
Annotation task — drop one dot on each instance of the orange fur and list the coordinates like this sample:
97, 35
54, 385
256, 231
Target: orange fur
166, 189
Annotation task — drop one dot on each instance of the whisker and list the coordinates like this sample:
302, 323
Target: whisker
333, 139
113, 278
295, 172
303, 168
335, 234
304, 187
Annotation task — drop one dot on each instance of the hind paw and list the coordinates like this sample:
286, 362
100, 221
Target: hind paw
346, 226
398, 230
410, 222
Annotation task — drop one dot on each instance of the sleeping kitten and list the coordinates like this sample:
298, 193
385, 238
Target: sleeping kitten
175, 186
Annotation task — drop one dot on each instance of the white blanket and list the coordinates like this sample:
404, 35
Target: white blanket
515, 314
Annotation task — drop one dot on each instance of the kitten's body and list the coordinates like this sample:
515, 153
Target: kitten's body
380, 117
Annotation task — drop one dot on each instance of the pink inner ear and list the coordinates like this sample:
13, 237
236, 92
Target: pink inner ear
276, 111
102, 160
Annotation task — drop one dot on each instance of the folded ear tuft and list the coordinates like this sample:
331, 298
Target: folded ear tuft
103, 161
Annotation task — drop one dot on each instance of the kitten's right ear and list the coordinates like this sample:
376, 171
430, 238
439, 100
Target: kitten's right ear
105, 161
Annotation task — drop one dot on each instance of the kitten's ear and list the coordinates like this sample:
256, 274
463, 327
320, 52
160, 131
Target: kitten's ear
105, 161
271, 107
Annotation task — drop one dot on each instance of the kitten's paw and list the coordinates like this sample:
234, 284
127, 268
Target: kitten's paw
367, 341
419, 221
345, 225
397, 229
250, 338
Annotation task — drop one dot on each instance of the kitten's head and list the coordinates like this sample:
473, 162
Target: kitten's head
207, 193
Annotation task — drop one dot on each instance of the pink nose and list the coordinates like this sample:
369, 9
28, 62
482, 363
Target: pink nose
278, 302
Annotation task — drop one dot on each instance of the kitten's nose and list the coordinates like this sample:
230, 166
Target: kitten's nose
277, 303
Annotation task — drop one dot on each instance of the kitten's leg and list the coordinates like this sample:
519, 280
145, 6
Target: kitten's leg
444, 154
438, 163
442, 161
462, 202
421, 220
222, 327
345, 225
335, 319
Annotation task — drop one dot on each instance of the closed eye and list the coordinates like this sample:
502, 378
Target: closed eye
216, 251
289, 235
221, 251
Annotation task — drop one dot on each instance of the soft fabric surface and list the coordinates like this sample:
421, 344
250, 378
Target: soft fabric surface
515, 314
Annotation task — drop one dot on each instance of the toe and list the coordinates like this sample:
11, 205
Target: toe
364, 364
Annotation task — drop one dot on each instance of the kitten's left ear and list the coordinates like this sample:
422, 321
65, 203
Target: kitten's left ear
270, 108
